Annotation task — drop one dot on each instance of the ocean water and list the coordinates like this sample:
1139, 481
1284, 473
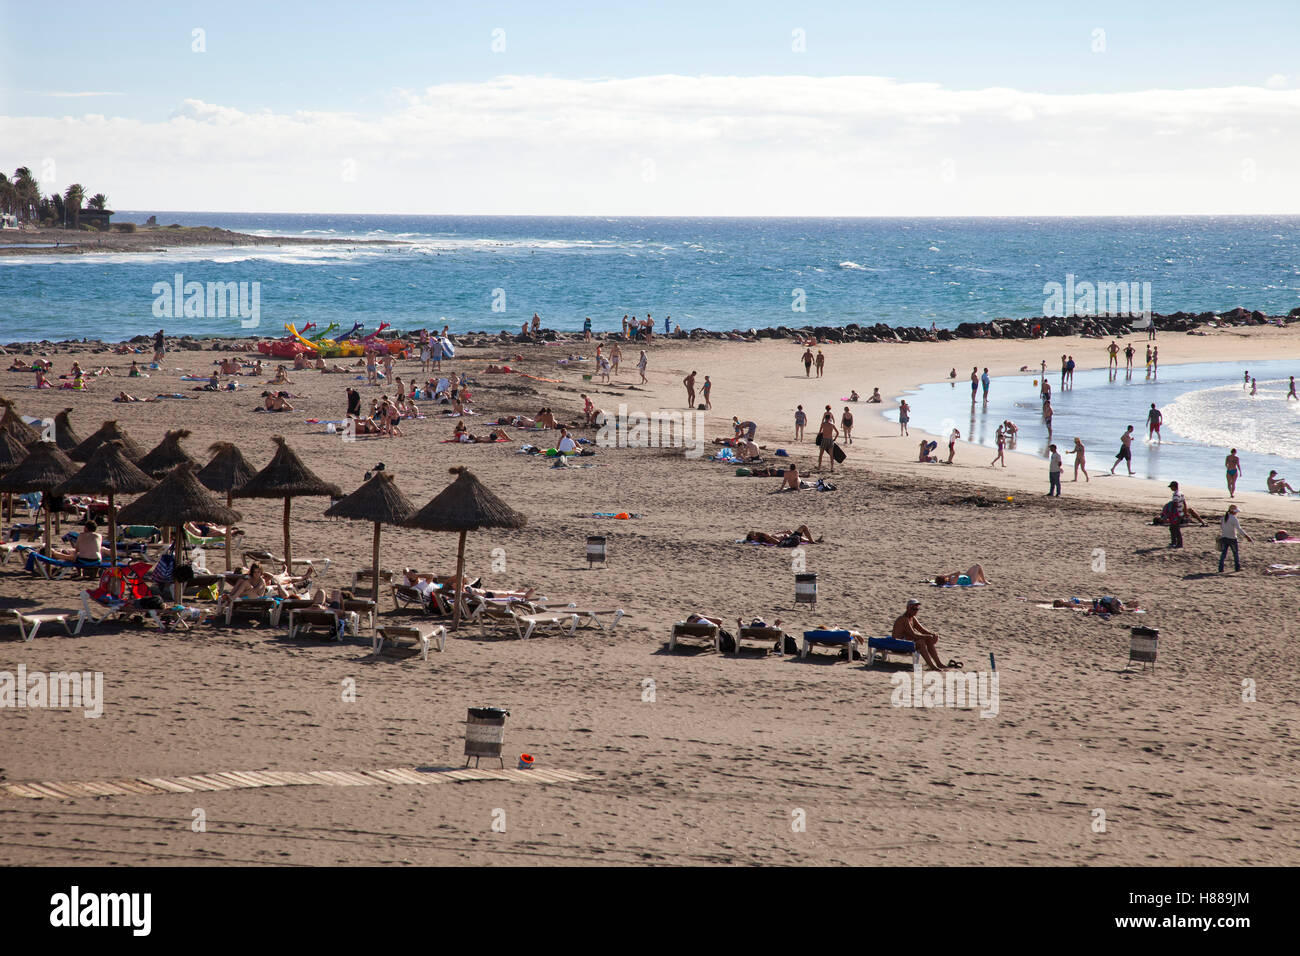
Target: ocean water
493, 273
1206, 412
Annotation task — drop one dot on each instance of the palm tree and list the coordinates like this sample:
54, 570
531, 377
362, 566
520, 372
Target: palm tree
8, 194
98, 201
28, 193
73, 198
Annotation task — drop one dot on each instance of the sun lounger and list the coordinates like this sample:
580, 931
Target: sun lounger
879, 649
703, 630
25, 532
559, 617
429, 602
97, 612
587, 616
253, 607
839, 638
267, 558
29, 624
10, 548
364, 580
768, 637
334, 623
53, 569
421, 635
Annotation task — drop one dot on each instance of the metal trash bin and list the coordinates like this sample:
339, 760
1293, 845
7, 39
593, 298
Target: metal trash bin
595, 550
1142, 646
805, 589
485, 732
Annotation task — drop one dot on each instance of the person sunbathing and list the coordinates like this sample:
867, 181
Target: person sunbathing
123, 397
20, 366
746, 450
201, 529
876, 397
926, 448
1278, 485
974, 576
228, 367
41, 381
908, 628
276, 402
88, 549
546, 419
299, 362
785, 539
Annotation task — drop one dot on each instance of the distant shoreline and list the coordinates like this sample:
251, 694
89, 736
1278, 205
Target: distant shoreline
62, 242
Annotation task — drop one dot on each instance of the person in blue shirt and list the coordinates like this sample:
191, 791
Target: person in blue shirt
984, 380
586, 329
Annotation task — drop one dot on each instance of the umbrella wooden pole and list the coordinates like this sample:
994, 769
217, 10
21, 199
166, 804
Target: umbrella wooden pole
288, 555
230, 503
49, 552
460, 582
375, 566
112, 529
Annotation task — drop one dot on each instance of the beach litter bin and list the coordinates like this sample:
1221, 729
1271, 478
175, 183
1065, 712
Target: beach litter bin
485, 732
525, 761
1142, 645
805, 589
595, 550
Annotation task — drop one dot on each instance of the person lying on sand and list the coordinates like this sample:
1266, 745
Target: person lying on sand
20, 366
123, 397
1278, 485
785, 539
907, 627
974, 576
276, 402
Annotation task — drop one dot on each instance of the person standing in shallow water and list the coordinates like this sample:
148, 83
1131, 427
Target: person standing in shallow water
1232, 465
904, 415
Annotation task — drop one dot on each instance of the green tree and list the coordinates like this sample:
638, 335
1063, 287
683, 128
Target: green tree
98, 201
28, 193
73, 199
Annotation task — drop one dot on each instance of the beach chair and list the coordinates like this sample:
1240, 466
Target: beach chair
587, 616
29, 624
314, 620
267, 558
879, 649
254, 608
765, 636
558, 617
422, 635
703, 630
364, 580
10, 548
54, 569
432, 602
837, 638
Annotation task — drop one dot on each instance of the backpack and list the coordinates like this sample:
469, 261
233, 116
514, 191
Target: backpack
726, 643
1170, 513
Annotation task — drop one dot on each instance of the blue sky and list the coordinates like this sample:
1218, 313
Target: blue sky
367, 73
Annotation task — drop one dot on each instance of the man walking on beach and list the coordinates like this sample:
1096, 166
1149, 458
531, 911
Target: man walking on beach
689, 382
821, 363
1154, 418
908, 628
1176, 514
826, 436
807, 363
1125, 451
1054, 472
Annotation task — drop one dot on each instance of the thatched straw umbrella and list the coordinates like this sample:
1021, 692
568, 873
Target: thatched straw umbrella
43, 470
288, 478
12, 452
226, 471
378, 501
12, 422
176, 499
64, 435
109, 472
167, 455
109, 431
463, 506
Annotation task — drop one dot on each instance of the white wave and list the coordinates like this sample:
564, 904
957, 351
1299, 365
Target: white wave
1230, 417
846, 264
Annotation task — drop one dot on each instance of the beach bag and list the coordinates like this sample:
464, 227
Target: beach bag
209, 593
183, 574
726, 643
789, 645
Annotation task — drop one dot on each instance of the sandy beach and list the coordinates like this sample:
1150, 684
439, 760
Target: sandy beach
733, 759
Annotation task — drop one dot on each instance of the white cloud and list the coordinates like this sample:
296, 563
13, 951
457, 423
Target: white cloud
1276, 82
722, 145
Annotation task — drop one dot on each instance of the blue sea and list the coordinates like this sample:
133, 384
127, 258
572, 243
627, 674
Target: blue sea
493, 273
1206, 407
